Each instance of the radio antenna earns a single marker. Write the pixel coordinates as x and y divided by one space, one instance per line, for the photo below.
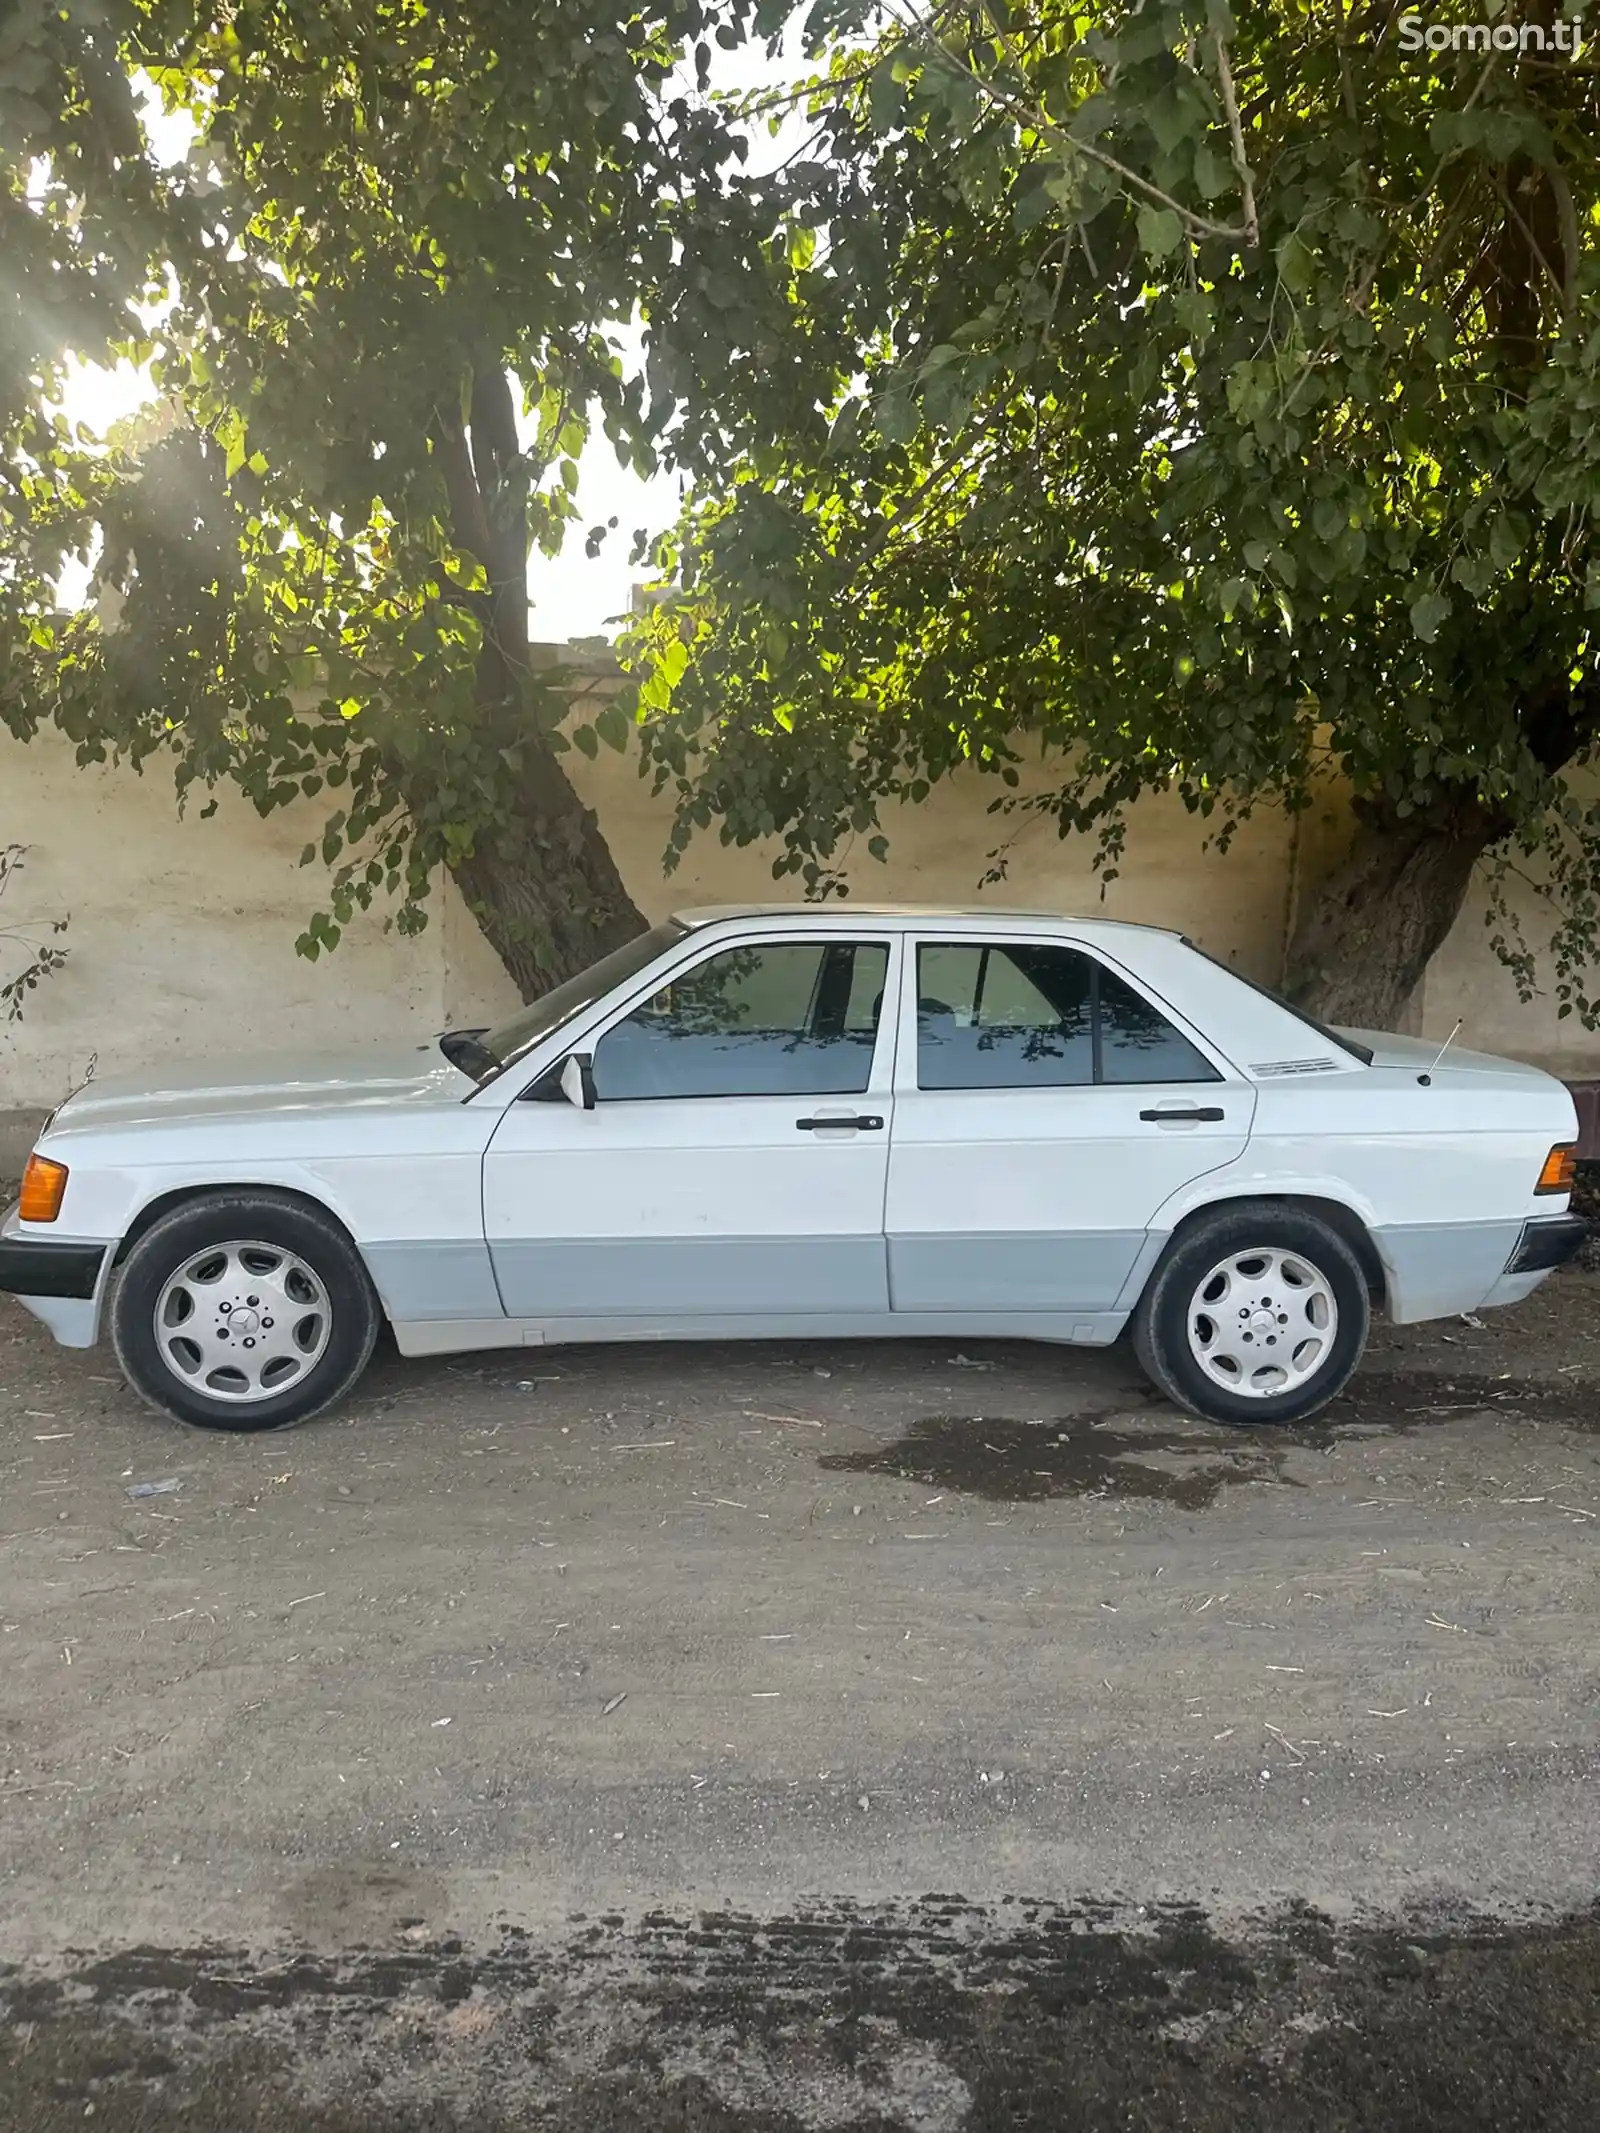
1426 1080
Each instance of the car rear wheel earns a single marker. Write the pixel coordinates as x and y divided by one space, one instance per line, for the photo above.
1256 1314
243 1311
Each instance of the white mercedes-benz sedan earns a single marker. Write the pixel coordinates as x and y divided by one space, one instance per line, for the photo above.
816 1120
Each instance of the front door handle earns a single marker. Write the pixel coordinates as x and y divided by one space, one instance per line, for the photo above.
1195 1115
872 1123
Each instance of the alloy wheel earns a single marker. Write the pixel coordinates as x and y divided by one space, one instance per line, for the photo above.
1263 1322
243 1321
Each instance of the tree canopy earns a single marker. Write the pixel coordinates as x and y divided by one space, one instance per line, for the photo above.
393 215
1204 398
1211 397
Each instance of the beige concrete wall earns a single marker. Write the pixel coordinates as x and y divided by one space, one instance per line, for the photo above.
181 941
182 933
1235 906
1467 981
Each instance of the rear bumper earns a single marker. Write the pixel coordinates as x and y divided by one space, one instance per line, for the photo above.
1548 1241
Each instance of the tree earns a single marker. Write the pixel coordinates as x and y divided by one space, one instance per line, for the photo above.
394 212
1210 398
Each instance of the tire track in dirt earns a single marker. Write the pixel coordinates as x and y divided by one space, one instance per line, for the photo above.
940 2016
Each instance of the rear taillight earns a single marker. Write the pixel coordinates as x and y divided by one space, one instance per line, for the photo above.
1560 1172
43 1184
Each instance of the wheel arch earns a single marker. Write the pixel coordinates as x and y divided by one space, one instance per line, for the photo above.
166 1203
1339 1215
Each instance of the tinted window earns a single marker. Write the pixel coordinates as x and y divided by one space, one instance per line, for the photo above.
1020 1016
1004 1018
774 1019
1138 1043
524 1030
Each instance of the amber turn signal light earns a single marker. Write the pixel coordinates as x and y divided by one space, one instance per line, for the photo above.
43 1184
1560 1172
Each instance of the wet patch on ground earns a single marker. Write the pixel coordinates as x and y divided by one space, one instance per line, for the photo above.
1398 1401
939 2016
1008 1461
1173 1459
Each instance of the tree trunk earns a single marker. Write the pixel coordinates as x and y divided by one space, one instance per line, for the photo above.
548 896
1362 946
547 893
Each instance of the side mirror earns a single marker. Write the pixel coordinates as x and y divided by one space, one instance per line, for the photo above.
577 1080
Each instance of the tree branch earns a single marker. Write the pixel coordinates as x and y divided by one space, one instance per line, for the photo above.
1241 162
1039 124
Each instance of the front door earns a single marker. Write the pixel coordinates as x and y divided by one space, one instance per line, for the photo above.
1046 1109
735 1162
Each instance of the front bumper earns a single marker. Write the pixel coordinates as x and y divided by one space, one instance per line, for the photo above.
39 1266
1548 1241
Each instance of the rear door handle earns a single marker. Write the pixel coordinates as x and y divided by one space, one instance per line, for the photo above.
1196 1114
871 1123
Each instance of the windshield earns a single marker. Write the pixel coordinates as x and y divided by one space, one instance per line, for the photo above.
523 1031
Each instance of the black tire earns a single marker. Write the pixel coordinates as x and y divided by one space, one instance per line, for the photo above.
269 1219
1161 1321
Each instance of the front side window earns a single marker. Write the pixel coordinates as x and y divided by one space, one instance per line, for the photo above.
513 1039
775 1018
1019 1016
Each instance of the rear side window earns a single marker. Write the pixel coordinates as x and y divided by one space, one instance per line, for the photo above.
1137 1042
1020 1016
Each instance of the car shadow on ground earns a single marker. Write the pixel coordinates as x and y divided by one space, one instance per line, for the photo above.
1049 1422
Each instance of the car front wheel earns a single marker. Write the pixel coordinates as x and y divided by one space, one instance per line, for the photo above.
243 1311
1256 1314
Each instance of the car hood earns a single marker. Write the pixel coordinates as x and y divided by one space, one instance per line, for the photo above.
266 1082
1419 1054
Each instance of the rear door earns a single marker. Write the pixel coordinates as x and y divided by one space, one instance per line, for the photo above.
1045 1108
735 1162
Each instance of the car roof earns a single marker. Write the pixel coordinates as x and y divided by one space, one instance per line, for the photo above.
899 915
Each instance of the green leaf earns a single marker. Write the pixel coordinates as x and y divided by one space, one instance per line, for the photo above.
1160 232
614 727
1328 518
1214 175
886 99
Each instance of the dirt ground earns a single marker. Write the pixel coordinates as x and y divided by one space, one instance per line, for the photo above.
851 1738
